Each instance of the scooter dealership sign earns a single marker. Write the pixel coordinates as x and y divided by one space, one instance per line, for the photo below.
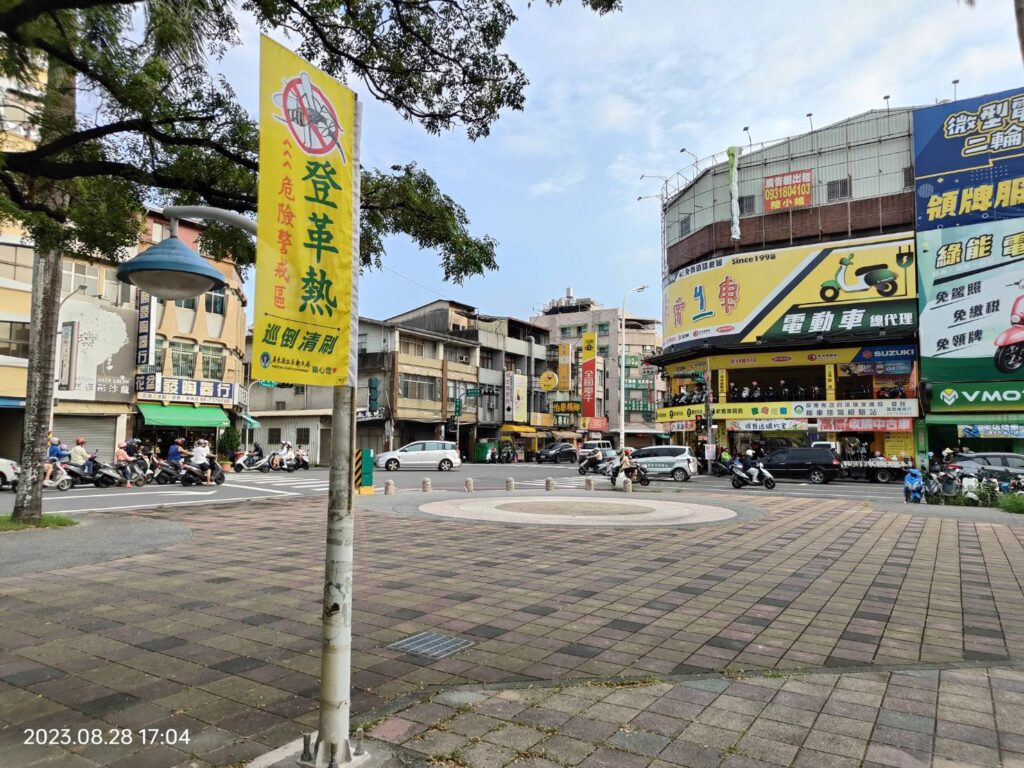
978 396
793 294
813 409
969 165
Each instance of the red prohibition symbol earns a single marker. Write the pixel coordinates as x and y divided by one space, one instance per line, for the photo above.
310 116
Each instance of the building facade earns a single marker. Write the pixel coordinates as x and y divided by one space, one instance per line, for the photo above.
170 373
568 319
790 293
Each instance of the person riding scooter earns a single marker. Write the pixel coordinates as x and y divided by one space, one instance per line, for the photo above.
56 453
282 455
200 458
177 453
592 461
81 456
750 465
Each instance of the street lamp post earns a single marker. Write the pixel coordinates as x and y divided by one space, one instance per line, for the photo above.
622 365
172 270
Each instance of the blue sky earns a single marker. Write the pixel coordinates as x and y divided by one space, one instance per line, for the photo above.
615 97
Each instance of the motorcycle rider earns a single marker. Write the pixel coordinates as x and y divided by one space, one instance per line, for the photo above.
80 455
281 454
627 467
56 452
121 462
200 458
593 459
177 453
750 465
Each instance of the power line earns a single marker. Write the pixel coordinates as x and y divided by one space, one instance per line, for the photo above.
414 282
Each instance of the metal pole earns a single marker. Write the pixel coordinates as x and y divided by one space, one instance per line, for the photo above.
336 651
622 373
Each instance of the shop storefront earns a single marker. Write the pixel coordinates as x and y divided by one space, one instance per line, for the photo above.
982 416
172 407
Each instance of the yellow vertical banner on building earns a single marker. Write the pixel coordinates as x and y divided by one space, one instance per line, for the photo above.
564 367
306 269
723 384
830 382
589 347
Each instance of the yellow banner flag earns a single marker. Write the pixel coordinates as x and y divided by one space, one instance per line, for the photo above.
306 268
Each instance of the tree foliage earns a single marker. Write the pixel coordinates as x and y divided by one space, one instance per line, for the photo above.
161 128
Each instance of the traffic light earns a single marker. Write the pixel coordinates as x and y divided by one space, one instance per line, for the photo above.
373 402
450 425
700 423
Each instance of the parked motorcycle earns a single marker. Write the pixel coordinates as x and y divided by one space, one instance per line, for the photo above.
252 462
1010 343
913 486
741 479
877 276
895 392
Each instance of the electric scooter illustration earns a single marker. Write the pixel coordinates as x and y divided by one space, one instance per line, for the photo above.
877 276
1010 343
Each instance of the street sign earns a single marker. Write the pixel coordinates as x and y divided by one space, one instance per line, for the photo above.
268 384
472 393
458 407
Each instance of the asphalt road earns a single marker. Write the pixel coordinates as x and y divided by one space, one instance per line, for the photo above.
253 485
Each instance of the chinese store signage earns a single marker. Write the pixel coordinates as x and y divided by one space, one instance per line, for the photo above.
866 425
785 191
589 374
978 396
564 367
969 160
305 270
567 406
145 337
1015 431
767 425
814 409
153 386
793 294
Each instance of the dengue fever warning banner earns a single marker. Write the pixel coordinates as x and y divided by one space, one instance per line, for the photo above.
306 279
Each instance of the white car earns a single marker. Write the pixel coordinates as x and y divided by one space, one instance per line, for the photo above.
439 454
9 471
672 460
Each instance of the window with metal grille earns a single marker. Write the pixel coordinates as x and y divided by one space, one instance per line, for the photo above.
279 405
213 361
747 205
274 436
300 389
839 189
302 435
908 177
684 226
183 359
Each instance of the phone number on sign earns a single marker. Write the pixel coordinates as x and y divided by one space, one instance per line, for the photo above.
47 737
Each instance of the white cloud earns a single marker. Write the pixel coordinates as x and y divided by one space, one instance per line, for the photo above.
559 182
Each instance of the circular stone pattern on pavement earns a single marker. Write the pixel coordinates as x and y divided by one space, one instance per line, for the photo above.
570 510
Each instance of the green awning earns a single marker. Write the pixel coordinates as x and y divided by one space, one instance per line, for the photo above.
249 421
160 415
974 418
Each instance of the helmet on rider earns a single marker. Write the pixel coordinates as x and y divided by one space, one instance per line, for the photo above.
64 447
750 453
180 441
54 441
122 445
79 441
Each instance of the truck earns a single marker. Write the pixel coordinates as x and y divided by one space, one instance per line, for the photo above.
879 470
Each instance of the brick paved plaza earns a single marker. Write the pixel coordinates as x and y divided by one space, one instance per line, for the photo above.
845 635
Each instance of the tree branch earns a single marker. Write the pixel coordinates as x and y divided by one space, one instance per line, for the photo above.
23 13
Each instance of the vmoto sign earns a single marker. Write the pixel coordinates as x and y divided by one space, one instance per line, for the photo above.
978 396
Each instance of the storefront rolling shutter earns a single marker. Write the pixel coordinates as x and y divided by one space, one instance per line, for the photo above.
98 431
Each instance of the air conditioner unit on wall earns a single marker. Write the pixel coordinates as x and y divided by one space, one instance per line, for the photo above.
464 359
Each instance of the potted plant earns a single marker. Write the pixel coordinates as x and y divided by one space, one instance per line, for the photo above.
226 447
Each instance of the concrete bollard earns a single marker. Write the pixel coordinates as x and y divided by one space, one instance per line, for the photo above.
426 485
389 487
469 485
627 485
589 484
510 484
549 483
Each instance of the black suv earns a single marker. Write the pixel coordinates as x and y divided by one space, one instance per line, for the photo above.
556 453
1002 465
819 465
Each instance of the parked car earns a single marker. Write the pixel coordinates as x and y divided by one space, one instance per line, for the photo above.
556 453
9 471
423 453
819 465
590 445
673 461
1004 466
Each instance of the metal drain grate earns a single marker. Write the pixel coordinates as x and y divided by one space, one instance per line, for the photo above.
432 645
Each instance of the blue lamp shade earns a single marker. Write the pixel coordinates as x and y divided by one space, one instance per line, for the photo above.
170 270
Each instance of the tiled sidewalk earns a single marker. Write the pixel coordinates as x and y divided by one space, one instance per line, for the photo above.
954 717
220 633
